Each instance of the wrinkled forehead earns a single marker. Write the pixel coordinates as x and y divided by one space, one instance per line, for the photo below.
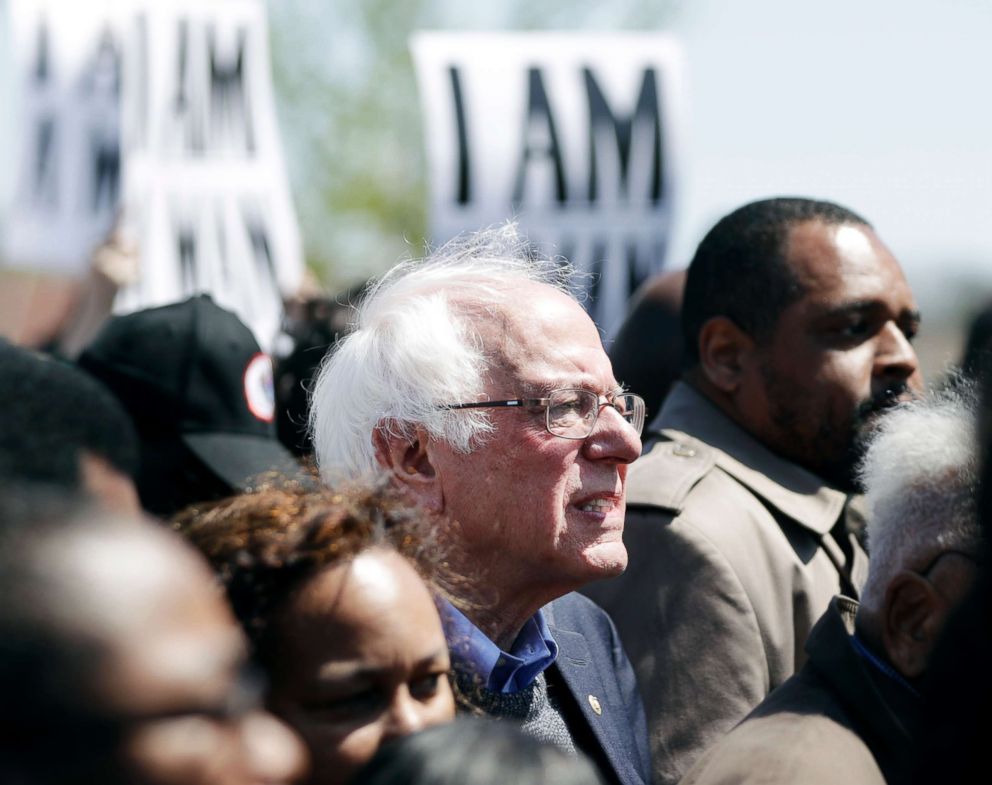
539 336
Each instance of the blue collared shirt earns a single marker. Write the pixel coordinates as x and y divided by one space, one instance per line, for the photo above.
500 671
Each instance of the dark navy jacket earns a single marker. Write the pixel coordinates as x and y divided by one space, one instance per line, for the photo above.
593 667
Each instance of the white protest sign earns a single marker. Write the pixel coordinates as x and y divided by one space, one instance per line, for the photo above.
575 136
62 82
204 183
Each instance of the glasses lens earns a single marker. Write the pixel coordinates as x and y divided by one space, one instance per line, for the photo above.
572 413
633 409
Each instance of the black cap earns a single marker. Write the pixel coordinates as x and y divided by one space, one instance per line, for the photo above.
193 372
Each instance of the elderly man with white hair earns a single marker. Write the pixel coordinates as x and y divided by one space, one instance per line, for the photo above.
848 716
479 383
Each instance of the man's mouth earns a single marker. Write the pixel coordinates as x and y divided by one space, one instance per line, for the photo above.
598 505
885 399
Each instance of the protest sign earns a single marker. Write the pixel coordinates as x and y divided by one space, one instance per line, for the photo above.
575 136
204 184
62 78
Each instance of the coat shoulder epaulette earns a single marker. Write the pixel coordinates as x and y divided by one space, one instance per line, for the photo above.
664 476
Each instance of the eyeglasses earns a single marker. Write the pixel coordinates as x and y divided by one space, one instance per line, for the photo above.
572 414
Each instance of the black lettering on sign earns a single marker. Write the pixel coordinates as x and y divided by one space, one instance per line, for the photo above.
540 140
642 128
464 189
230 115
41 184
186 246
186 106
42 63
102 87
106 175
45 182
258 233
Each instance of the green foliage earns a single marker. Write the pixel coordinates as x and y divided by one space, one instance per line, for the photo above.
350 119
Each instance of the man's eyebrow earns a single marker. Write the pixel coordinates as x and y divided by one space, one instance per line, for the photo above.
859 306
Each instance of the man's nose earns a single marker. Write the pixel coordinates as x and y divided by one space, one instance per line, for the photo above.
613 438
895 357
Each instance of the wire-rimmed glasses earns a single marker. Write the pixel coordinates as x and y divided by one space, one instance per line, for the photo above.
572 414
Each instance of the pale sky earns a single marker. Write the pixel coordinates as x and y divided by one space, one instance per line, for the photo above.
885 107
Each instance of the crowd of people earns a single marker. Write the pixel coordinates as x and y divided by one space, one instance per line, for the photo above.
748 549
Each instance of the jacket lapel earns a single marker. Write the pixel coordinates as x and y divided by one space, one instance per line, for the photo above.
596 697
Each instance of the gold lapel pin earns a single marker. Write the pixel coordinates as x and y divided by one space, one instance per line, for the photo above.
596 705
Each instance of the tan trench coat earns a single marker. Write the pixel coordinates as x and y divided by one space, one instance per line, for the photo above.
732 561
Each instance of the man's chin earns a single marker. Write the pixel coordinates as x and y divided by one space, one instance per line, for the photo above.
607 560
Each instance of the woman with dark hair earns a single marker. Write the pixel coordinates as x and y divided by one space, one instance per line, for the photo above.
475 751
330 587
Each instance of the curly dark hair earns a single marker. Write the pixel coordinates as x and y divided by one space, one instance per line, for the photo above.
265 543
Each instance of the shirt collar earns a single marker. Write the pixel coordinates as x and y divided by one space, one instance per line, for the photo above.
882 666
533 651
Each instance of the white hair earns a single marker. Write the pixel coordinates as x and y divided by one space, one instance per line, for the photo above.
414 347
920 475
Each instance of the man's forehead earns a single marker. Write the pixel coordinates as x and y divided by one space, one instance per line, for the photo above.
844 264
820 254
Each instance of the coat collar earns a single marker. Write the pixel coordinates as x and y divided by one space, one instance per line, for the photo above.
885 717
687 416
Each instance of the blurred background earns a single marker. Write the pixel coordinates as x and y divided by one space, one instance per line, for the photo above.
879 106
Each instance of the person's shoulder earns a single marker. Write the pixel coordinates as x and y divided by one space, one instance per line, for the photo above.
664 476
787 746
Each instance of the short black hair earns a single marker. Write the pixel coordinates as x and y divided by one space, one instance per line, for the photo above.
50 413
740 270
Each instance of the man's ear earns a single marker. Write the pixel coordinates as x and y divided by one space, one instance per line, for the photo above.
724 349
408 459
911 620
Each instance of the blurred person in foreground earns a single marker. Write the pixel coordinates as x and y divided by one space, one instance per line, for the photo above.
475 751
60 427
647 351
953 743
852 713
798 324
479 383
330 587
199 390
120 664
